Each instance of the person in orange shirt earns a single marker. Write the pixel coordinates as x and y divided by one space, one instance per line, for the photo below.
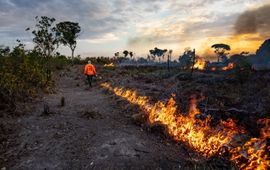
90 72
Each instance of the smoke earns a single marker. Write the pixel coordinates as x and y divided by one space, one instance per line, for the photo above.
254 21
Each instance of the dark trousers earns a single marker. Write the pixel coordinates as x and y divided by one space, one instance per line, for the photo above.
90 79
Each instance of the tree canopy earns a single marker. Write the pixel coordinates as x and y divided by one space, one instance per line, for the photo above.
68 32
45 36
220 50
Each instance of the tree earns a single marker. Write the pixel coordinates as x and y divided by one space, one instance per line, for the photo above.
125 53
220 50
157 53
45 36
68 32
187 60
169 56
117 54
131 54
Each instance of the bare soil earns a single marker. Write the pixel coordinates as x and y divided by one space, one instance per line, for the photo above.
91 131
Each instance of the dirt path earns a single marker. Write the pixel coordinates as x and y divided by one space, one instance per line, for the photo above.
89 132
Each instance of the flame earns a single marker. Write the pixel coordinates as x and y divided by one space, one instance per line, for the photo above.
230 66
197 133
213 69
200 64
254 152
108 65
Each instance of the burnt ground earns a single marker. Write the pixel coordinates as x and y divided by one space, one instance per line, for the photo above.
92 131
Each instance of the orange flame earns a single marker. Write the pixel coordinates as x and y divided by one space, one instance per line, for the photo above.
108 65
230 66
254 151
198 134
200 64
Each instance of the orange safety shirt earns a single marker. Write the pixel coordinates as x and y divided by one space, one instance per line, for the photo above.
90 70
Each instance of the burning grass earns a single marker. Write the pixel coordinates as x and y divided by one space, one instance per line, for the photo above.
198 134
109 65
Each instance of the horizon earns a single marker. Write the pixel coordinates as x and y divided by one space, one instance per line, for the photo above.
138 26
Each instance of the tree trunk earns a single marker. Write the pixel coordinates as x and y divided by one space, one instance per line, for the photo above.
72 56
168 63
48 70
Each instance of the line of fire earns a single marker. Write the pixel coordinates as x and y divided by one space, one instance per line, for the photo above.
198 134
226 138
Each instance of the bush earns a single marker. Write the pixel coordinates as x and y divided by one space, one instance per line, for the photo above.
23 74
243 70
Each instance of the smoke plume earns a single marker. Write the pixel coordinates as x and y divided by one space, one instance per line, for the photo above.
254 21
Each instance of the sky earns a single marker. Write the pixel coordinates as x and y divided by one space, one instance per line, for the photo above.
109 26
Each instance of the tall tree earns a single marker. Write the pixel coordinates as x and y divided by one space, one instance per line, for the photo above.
220 50
131 54
158 52
68 32
117 54
169 56
45 36
125 53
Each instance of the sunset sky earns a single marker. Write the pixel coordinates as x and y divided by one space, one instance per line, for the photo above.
109 26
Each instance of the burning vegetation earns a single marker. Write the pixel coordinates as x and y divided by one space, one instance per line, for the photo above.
108 65
199 134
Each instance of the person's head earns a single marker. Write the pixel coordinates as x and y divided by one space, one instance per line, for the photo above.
89 62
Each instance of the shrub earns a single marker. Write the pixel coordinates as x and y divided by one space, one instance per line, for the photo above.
23 74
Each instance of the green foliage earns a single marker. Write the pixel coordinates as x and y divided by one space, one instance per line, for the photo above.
45 36
58 62
68 33
23 74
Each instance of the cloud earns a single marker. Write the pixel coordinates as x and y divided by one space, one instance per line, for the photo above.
254 21
103 39
147 23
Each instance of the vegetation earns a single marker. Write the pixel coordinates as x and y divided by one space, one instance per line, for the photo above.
22 74
68 32
221 50
26 72
187 60
156 52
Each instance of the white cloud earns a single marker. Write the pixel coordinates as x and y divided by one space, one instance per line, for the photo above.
108 37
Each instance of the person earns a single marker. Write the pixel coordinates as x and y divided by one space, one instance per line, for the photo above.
90 72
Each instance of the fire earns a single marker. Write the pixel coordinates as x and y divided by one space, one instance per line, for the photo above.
254 151
230 66
108 65
200 64
213 69
197 133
